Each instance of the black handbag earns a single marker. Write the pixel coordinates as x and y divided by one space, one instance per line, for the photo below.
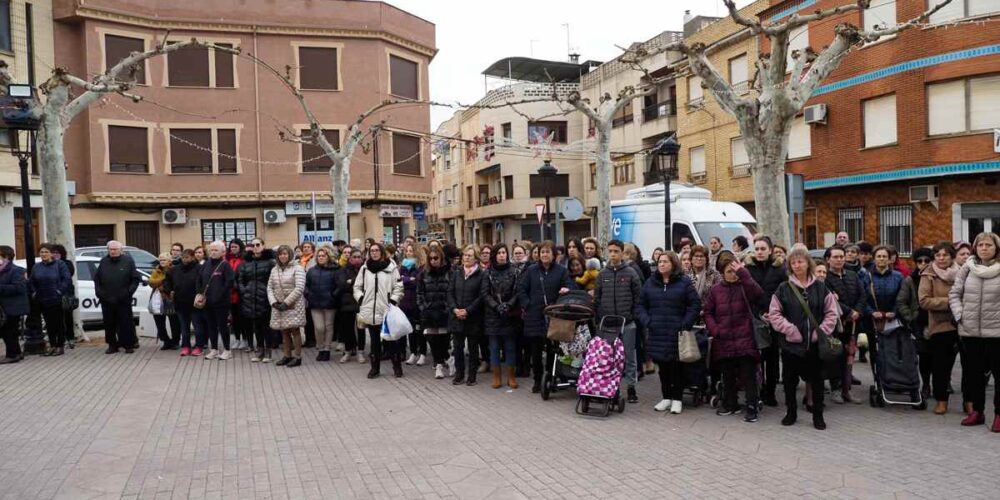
70 303
761 330
830 347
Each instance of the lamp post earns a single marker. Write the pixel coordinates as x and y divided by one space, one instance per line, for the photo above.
548 175
667 150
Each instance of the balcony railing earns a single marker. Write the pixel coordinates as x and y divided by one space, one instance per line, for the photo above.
659 110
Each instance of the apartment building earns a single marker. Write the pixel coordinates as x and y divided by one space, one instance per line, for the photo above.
900 147
26 46
200 159
488 193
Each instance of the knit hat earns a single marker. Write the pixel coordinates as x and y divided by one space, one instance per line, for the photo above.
865 247
923 252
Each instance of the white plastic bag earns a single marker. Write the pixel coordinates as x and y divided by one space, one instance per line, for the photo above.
395 325
155 305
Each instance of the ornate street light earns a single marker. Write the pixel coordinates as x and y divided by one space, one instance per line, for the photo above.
548 175
667 150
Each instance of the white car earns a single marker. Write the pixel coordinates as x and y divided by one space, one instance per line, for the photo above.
90 306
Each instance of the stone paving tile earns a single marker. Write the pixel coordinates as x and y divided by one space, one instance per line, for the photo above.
153 425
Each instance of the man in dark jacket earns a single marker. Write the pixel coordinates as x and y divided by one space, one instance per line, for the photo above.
115 282
14 302
183 280
617 294
853 302
769 272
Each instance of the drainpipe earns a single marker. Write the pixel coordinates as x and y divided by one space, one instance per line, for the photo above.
256 104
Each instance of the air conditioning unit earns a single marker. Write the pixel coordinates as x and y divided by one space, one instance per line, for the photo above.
173 216
274 216
927 193
815 114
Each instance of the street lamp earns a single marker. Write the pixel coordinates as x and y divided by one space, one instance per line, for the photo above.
667 150
547 173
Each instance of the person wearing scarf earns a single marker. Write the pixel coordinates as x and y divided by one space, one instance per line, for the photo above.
378 284
409 272
975 304
466 322
936 281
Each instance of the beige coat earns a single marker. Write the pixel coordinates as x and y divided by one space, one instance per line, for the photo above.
975 300
287 285
933 298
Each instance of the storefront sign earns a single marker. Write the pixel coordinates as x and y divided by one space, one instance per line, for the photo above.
395 211
323 207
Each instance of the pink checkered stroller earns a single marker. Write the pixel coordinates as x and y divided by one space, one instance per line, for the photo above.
601 375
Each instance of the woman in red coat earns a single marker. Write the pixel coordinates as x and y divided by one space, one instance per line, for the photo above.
728 318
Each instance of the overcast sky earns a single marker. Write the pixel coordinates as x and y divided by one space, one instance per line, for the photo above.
473 34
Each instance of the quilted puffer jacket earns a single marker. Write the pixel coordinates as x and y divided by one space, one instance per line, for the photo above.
251 282
287 285
975 298
728 317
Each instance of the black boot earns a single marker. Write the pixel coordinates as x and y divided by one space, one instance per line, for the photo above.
294 362
752 413
375 363
536 387
790 416
459 378
397 365
323 356
769 398
284 361
818 421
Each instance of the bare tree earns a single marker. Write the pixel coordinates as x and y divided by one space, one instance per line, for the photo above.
765 116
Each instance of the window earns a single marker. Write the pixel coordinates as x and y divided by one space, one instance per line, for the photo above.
959 9
468 196
404 77
506 133
6 137
896 227
128 149
537 131
852 221
740 158
557 187
739 73
593 176
117 48
881 14
226 149
880 121
697 158
314 159
453 196
696 93
405 154
799 140
624 115
5 25
225 67
318 68
624 171
191 151
508 187
189 67
227 229
959 106
798 39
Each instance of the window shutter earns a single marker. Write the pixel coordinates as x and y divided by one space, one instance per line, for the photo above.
882 14
405 154
880 121
979 7
946 108
985 105
739 70
403 76
318 68
314 159
739 152
798 39
695 92
224 70
128 149
186 158
117 48
226 140
697 160
188 67
799 140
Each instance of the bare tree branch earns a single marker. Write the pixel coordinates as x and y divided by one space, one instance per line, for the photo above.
740 19
873 35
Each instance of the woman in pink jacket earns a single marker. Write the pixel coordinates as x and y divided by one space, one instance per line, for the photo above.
797 327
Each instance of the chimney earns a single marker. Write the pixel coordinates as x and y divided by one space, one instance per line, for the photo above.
687 16
574 58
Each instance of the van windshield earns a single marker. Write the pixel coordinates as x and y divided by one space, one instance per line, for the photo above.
726 231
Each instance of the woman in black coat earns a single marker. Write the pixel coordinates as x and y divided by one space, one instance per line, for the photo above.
500 293
59 253
668 304
346 321
539 286
320 285
251 283
183 278
50 281
432 301
14 302
466 320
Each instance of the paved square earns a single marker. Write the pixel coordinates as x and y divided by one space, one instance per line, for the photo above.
153 425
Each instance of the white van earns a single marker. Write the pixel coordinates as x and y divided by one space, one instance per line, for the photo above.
639 218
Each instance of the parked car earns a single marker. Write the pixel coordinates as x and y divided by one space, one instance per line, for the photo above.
144 261
90 307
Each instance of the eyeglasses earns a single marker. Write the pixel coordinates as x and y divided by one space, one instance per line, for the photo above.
923 261
257 245
435 259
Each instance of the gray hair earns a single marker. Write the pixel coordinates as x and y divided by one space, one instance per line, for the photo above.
219 244
115 242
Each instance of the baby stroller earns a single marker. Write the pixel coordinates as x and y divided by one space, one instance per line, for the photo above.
600 378
696 374
895 369
572 314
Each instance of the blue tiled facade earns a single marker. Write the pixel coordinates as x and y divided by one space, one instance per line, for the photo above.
904 174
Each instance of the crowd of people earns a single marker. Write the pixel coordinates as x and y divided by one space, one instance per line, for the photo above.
480 310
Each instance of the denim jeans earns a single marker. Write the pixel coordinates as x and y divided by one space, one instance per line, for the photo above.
631 365
509 345
459 343
200 328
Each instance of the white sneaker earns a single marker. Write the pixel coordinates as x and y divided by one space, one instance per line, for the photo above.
675 407
265 359
361 358
238 344
212 354
255 359
412 359
663 405
345 358
226 355
422 360
339 346
451 366
438 371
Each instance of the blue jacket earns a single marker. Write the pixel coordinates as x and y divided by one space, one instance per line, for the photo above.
538 287
885 287
14 291
49 282
320 286
665 310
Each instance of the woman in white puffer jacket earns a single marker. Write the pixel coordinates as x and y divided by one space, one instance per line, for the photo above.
975 304
378 284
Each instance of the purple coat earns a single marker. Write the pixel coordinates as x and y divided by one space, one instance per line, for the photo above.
728 317
408 304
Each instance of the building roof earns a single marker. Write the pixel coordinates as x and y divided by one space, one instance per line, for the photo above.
537 70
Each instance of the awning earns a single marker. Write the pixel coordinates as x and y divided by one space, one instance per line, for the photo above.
537 70
492 169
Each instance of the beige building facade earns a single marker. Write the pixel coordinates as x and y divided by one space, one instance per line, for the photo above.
200 158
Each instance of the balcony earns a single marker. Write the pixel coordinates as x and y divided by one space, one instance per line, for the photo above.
659 110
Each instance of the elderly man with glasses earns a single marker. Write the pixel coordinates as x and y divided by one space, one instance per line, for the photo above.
115 282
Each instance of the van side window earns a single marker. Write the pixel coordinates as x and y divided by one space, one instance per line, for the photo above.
681 231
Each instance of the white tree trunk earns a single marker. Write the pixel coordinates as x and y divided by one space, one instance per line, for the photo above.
603 182
340 180
767 152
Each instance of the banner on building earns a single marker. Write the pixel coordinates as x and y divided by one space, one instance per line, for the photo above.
323 207
394 211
